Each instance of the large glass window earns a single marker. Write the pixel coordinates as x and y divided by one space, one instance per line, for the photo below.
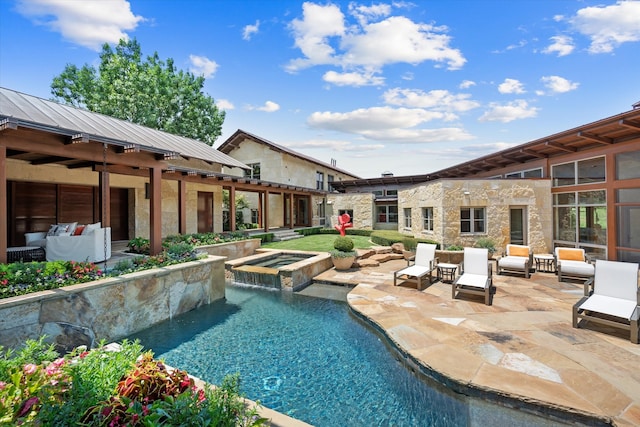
427 219
580 172
330 179
387 213
472 220
530 173
628 165
407 217
254 172
580 219
628 217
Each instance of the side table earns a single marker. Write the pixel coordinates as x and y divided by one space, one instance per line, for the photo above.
545 263
446 272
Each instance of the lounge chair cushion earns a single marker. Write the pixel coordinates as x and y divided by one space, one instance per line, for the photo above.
568 254
516 262
609 305
519 251
474 280
580 268
414 270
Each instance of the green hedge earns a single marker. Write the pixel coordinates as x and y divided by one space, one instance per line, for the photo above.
264 237
389 237
352 231
309 231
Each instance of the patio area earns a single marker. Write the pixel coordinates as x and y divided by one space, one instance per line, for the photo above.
523 347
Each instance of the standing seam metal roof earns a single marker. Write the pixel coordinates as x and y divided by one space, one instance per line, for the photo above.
71 120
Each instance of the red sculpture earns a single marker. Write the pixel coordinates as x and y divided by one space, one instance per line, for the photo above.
343 223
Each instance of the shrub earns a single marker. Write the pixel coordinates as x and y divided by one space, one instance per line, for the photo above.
343 244
455 248
112 388
485 242
410 244
139 245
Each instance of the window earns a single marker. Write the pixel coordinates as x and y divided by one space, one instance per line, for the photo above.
530 173
580 219
628 215
427 219
387 213
254 173
628 165
378 193
407 217
392 192
581 172
254 216
321 212
319 181
472 220
329 183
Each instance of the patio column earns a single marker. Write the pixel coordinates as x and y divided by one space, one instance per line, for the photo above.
290 210
266 211
155 210
260 215
232 208
182 207
3 204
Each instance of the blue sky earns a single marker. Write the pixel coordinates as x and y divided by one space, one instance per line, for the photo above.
403 87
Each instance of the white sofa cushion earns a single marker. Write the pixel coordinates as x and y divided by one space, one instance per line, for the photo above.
65 227
89 247
516 262
577 267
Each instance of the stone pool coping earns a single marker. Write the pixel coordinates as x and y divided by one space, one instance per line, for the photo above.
521 351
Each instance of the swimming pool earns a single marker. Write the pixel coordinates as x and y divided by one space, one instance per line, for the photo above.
308 358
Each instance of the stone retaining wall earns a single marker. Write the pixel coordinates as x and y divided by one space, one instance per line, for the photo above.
233 250
111 308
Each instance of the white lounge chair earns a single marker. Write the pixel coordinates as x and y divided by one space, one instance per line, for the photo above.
573 263
517 259
615 300
476 275
424 264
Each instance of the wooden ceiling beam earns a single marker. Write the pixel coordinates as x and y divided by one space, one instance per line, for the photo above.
49 159
533 153
629 124
561 147
596 138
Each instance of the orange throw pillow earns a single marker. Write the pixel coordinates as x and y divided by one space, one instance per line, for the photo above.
519 251
78 230
570 254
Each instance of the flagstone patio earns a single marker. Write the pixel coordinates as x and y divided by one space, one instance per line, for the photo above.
522 349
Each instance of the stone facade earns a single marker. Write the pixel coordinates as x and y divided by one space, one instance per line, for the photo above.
112 308
446 197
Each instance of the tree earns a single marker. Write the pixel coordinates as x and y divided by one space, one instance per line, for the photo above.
150 92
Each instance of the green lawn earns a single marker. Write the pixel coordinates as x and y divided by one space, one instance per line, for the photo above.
317 243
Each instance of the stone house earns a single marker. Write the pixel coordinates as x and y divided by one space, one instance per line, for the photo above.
576 188
274 163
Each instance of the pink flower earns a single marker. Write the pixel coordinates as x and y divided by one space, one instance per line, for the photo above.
2 385
30 368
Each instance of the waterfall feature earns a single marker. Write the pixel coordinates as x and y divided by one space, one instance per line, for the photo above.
257 275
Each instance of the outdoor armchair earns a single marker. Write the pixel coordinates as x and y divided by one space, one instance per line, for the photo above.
615 300
424 263
476 275
573 263
517 259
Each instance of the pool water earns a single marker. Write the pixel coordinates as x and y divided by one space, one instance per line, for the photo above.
303 356
279 261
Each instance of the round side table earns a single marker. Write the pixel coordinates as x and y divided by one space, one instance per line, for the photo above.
446 272
545 263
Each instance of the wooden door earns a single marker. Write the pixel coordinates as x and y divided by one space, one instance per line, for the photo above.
205 212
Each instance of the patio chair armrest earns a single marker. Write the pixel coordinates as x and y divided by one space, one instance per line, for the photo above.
588 284
490 269
433 263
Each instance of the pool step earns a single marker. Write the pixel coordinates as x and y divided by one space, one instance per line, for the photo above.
285 234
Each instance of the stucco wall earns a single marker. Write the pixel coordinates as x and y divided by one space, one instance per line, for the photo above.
111 308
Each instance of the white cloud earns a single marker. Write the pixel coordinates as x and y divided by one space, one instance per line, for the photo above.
334 145
202 66
87 23
352 79
511 86
518 109
557 84
388 124
225 104
324 37
268 107
562 45
466 84
436 100
364 14
250 30
609 26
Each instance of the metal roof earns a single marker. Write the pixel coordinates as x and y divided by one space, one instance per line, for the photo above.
611 130
236 139
37 113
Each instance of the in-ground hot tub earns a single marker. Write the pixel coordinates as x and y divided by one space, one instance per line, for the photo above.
278 269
